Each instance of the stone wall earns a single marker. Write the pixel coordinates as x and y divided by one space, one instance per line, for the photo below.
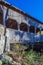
2 39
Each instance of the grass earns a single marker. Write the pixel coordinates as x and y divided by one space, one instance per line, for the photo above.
33 58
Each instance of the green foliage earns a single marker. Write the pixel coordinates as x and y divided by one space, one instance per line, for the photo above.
33 58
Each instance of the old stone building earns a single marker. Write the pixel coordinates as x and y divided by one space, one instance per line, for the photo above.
18 27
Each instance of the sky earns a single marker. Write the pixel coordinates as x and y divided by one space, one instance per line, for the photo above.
31 7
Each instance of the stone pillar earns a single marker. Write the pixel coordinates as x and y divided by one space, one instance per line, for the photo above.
40 31
35 34
7 45
28 25
2 39
18 26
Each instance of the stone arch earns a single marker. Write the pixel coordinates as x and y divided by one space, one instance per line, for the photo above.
32 29
10 23
37 30
24 27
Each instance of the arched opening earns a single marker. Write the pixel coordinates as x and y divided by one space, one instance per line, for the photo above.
38 30
23 27
32 29
41 31
1 16
10 23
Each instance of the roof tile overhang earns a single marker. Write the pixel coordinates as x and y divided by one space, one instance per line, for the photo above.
19 11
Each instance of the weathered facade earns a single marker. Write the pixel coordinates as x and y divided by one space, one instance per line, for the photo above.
18 27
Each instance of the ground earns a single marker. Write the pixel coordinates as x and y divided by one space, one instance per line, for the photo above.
19 56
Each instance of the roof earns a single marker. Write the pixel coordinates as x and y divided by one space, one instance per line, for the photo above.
19 11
